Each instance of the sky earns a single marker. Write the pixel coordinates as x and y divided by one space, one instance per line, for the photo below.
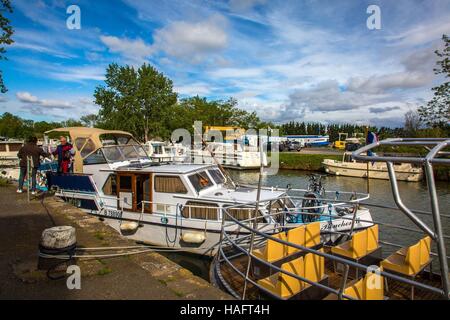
287 60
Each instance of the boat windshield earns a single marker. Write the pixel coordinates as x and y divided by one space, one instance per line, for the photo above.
123 153
217 176
200 181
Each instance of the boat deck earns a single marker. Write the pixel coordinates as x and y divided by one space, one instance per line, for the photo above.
397 290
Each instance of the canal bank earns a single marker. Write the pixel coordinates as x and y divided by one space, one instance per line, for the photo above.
143 276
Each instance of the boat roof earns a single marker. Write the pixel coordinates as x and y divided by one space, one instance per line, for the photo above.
84 131
168 168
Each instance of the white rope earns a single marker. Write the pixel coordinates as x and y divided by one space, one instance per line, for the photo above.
112 255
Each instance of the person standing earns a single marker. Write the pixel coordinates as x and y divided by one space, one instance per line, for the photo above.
29 151
64 153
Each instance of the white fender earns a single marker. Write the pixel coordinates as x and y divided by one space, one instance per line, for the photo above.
129 226
193 237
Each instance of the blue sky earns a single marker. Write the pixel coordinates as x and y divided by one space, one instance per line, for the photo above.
287 60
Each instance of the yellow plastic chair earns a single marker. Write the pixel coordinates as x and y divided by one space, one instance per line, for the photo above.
425 250
372 238
314 267
355 248
312 234
405 262
296 236
272 251
371 287
283 285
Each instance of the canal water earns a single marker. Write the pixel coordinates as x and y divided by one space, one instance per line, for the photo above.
414 195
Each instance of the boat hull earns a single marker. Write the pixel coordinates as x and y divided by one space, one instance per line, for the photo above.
403 172
170 234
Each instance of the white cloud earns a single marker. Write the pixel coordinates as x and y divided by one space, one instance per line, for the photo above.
193 89
192 41
29 99
237 73
387 82
134 50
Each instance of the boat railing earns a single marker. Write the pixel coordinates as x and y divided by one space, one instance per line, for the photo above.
436 233
245 248
436 154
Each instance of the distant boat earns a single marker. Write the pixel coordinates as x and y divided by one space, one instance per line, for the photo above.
230 155
378 170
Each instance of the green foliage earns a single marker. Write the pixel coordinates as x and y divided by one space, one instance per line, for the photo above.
89 120
137 101
437 111
12 126
5 37
301 161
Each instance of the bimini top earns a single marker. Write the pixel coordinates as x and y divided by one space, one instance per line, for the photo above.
87 141
86 132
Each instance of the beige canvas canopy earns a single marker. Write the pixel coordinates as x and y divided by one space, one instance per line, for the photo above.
85 141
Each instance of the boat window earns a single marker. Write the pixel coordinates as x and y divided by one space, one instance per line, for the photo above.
14 147
110 187
157 149
95 158
200 181
169 184
200 210
243 214
2 147
113 154
125 183
88 148
110 139
79 143
129 152
217 176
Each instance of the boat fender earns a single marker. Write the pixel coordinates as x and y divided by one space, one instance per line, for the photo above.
129 226
193 237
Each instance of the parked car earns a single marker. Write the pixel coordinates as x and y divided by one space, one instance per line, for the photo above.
294 146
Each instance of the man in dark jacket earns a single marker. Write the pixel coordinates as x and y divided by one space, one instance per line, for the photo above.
29 151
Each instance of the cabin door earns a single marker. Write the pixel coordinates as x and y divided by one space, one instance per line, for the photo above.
126 191
144 195
135 191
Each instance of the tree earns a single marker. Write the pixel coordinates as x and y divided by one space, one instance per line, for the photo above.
136 100
89 120
412 123
5 37
437 111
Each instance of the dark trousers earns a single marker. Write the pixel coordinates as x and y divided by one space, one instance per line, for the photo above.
23 173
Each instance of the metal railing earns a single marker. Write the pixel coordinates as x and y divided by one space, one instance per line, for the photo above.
237 242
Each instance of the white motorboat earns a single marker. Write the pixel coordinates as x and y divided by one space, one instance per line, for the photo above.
179 205
377 170
230 155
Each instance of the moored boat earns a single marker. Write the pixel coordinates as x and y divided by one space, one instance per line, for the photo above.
179 206
352 168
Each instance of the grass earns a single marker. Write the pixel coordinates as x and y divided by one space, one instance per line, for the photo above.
4 182
104 271
99 235
309 162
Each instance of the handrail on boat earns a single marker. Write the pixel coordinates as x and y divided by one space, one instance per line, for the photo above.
437 234
432 157
344 261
